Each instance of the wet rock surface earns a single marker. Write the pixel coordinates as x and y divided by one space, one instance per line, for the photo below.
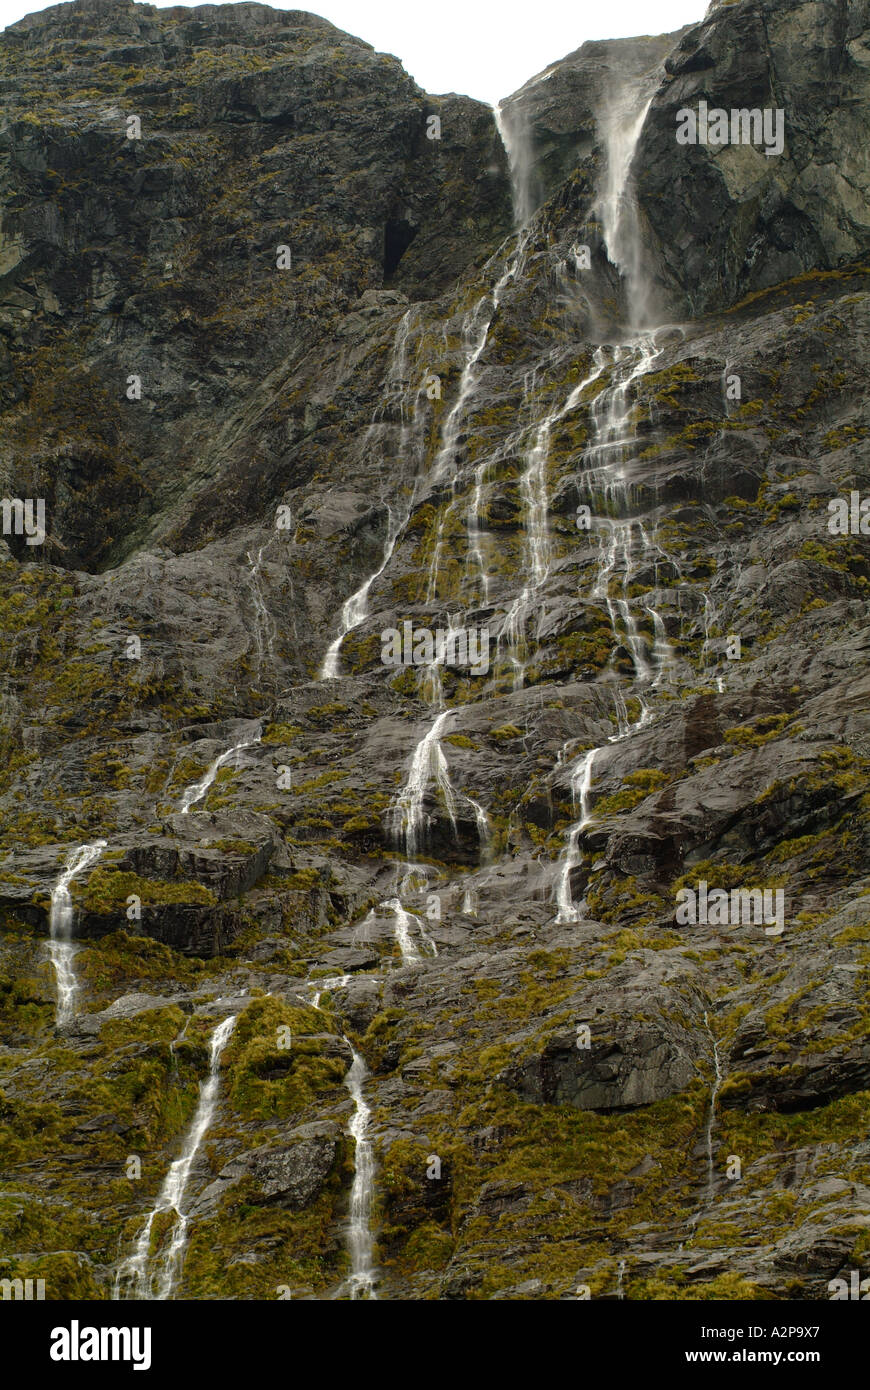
560 1069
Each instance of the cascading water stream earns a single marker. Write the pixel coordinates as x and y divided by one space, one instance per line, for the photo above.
514 129
711 1116
428 763
620 123
264 628
475 335
405 942
581 783
325 985
360 1242
61 920
355 610
361 1281
148 1275
604 460
516 138
197 790
537 540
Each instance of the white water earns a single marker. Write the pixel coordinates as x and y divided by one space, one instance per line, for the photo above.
620 124
355 610
475 335
264 628
404 940
513 126
537 542
581 783
428 764
711 1117
146 1276
477 538
198 790
360 1244
61 920
415 881
482 820
325 985
361 1281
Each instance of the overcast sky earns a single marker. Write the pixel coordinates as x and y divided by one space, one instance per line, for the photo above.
484 48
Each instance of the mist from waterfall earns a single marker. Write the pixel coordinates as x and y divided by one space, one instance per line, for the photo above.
620 122
514 127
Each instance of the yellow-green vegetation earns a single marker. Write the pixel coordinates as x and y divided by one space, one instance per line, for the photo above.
760 731
118 961
637 786
301 1251
623 899
269 1077
137 1096
107 890
505 733
281 733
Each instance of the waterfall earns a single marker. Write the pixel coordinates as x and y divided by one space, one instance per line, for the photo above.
416 880
264 628
198 790
428 763
512 123
613 444
480 816
711 1117
405 942
620 123
361 1281
475 534
537 539
323 987
581 783
61 920
154 1276
355 610
475 335
516 137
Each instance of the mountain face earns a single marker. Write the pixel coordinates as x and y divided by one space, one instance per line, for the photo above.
434 795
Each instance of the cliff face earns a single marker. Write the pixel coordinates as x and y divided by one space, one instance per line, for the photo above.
605 446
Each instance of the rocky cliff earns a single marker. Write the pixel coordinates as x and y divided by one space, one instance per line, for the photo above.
305 364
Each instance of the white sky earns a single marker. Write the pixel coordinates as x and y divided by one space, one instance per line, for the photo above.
483 48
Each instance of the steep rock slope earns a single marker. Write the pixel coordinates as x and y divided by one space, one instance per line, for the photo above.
440 903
